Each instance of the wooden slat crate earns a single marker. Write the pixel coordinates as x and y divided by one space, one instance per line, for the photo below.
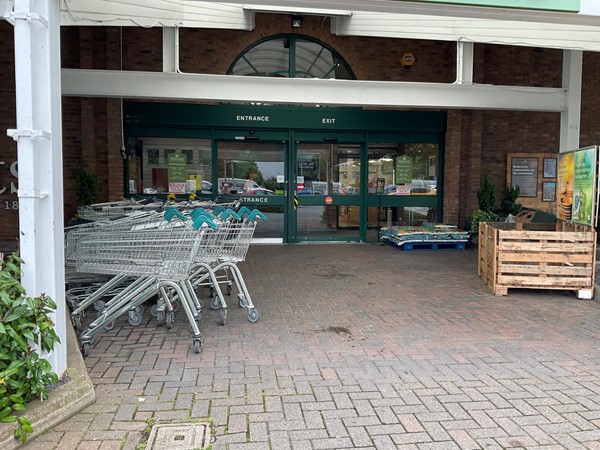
516 255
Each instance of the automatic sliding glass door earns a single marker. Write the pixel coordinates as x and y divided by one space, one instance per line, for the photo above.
328 187
253 173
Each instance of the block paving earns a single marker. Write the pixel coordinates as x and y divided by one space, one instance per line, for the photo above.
359 346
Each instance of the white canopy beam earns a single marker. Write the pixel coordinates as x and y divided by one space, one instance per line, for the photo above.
39 146
170 86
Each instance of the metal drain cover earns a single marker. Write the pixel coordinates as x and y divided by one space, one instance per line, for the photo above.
179 436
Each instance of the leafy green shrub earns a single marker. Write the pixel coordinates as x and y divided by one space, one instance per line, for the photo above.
481 216
486 195
87 192
509 204
24 326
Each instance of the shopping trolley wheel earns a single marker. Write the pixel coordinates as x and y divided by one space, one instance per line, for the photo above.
110 325
197 345
139 309
99 305
253 315
223 315
160 317
215 302
154 310
170 319
242 301
85 349
76 322
134 318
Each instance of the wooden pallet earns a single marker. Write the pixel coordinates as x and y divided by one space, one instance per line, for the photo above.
532 259
431 245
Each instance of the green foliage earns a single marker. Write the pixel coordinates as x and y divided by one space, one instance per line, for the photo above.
486 195
87 192
24 326
481 216
509 204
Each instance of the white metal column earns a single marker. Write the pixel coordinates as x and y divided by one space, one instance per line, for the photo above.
570 119
39 142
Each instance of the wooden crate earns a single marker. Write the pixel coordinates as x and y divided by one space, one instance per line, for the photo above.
517 255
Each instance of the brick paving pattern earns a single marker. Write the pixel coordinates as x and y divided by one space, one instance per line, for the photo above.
358 346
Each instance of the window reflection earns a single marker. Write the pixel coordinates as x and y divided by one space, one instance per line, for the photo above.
403 169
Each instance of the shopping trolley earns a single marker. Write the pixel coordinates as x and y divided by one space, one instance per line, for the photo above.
100 287
223 258
158 257
109 210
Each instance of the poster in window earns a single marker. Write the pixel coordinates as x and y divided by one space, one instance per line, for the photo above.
550 167
525 175
549 191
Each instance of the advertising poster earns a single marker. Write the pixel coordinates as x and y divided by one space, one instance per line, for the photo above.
404 166
583 185
564 188
177 172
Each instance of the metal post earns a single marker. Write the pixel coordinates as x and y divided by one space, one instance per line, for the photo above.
570 120
39 143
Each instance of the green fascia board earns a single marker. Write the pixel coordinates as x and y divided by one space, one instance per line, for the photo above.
172 115
544 5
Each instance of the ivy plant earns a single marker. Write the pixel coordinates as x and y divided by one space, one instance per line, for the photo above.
25 329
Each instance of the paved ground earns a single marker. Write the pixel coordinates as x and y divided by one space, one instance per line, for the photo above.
358 346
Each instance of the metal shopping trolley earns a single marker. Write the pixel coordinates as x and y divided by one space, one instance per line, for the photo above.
157 257
223 258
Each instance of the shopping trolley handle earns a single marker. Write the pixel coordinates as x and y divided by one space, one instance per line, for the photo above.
201 220
218 210
230 212
244 210
257 214
173 212
200 211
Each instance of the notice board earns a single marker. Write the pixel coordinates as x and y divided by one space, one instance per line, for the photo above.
535 174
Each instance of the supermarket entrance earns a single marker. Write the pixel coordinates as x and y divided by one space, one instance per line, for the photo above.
318 174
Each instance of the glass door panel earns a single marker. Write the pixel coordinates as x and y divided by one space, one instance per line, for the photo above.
328 186
253 173
402 185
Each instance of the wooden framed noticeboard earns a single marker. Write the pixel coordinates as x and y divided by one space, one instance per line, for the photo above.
535 174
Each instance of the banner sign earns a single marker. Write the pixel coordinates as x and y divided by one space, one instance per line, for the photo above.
544 5
564 188
576 185
584 185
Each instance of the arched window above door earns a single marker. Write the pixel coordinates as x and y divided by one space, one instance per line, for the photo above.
291 56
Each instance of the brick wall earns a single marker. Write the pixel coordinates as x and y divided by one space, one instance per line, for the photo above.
477 142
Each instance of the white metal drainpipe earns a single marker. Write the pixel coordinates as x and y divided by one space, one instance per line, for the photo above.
39 143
